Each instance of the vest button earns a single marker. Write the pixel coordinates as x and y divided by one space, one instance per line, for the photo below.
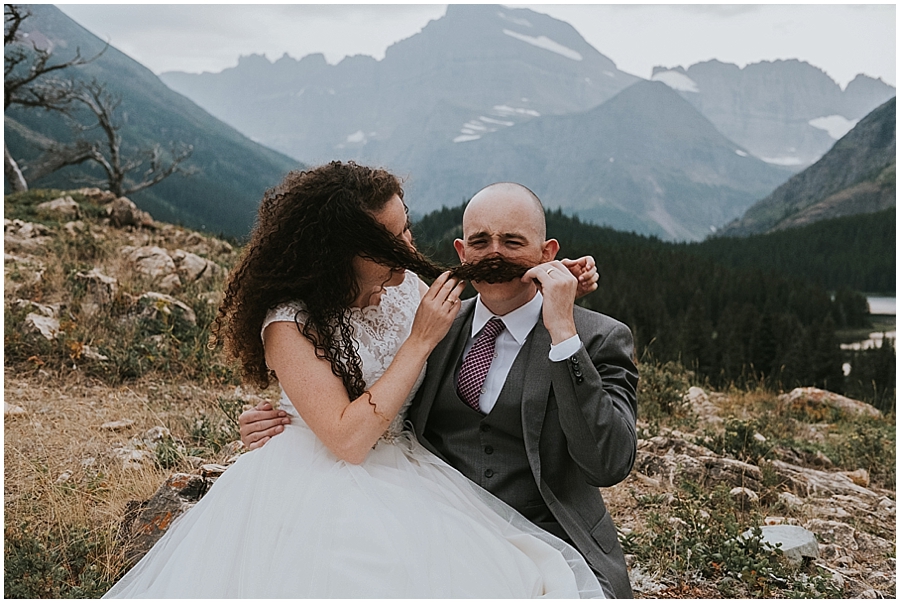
489 450
485 428
489 473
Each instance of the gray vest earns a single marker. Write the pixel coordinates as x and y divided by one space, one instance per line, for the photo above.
489 449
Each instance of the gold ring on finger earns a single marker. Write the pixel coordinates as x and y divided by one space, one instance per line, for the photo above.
551 270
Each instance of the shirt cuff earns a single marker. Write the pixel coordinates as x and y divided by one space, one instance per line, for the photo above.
565 349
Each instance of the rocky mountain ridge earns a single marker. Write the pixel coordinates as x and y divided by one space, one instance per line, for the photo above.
478 69
645 160
787 113
858 175
478 83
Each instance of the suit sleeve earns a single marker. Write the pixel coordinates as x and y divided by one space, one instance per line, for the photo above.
596 392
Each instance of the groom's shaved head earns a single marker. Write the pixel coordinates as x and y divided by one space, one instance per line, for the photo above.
510 196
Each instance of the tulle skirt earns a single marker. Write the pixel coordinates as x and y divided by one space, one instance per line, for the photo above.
292 520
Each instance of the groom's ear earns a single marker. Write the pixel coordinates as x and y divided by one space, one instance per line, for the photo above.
549 250
460 248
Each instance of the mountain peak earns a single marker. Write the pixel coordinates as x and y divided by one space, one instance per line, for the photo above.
253 61
469 32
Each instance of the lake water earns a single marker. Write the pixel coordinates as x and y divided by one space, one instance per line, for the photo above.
877 305
883 305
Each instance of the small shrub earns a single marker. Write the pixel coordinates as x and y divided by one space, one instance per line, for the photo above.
865 444
740 440
700 533
168 453
661 390
213 431
35 568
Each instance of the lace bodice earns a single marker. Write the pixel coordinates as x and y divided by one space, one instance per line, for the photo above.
379 330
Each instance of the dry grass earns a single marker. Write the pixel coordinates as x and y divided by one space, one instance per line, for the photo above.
62 474
65 486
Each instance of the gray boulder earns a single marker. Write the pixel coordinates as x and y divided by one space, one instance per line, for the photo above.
796 542
64 207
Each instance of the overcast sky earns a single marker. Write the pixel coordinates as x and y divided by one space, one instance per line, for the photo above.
843 40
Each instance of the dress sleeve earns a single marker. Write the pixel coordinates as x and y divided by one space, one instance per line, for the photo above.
290 312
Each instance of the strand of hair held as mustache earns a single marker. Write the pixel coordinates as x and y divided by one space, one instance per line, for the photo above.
490 270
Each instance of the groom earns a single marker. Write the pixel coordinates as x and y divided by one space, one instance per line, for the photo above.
554 416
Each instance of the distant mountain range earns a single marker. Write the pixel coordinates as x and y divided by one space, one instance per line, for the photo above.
233 171
644 161
857 176
483 94
476 70
489 93
784 112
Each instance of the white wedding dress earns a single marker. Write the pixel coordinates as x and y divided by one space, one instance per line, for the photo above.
291 520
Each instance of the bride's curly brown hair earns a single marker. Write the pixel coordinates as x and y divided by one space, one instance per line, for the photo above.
308 230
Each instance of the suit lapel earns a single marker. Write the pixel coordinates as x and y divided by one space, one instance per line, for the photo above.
535 394
441 360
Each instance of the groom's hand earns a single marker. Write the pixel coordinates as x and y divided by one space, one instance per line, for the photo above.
260 423
558 286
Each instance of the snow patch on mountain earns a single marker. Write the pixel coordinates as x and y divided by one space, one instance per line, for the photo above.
785 161
507 111
473 127
476 128
676 81
547 44
836 125
740 153
516 20
498 122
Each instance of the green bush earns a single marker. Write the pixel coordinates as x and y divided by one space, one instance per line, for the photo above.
740 441
210 432
866 444
65 568
699 532
661 390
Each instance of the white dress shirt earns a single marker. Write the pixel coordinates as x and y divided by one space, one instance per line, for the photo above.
519 324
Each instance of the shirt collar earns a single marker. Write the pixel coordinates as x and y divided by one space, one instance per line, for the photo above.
519 322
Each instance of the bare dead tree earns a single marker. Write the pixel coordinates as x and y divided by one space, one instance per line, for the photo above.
28 81
109 155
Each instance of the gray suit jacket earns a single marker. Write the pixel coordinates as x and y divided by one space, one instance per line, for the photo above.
578 419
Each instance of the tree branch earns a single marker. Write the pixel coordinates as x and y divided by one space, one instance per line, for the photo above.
58 156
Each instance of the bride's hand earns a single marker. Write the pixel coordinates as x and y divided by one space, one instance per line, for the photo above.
585 270
437 309
260 423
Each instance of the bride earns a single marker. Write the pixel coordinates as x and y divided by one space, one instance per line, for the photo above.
345 503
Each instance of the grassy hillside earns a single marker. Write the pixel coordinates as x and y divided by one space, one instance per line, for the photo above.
127 393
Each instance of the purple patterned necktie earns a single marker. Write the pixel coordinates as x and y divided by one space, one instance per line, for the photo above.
477 362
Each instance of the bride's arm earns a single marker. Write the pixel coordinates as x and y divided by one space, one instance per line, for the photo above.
350 428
